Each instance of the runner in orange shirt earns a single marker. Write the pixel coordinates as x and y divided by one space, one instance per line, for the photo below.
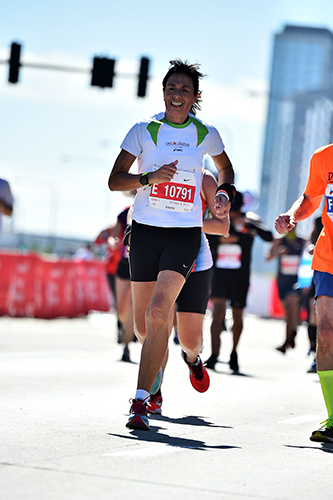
319 184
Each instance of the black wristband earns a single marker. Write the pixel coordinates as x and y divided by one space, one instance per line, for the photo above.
144 179
228 188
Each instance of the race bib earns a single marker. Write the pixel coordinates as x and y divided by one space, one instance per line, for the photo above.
289 264
229 257
176 195
329 200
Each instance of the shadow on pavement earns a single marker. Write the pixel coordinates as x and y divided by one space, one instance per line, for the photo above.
155 436
326 447
187 420
237 374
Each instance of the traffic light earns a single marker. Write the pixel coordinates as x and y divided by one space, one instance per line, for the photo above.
143 76
102 72
14 63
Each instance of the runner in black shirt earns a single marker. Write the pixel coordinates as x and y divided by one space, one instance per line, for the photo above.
232 275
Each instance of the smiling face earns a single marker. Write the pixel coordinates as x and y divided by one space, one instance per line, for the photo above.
179 97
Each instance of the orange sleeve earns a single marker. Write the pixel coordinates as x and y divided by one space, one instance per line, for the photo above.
316 182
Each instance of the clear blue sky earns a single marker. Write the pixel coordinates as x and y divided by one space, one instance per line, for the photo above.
60 136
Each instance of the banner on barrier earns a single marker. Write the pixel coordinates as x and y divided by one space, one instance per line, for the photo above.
31 286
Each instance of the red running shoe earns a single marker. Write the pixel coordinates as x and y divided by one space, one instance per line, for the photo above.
199 376
154 404
138 415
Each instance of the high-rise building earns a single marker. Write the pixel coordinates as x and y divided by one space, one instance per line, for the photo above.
299 118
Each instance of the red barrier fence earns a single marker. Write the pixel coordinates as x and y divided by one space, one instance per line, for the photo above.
31 286
275 307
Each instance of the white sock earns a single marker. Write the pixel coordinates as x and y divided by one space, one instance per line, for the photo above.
141 394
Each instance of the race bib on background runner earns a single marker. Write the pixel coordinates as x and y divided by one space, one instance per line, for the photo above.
289 264
176 195
329 200
229 257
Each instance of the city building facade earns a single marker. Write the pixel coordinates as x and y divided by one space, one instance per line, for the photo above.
299 118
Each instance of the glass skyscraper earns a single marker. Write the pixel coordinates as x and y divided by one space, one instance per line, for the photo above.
299 118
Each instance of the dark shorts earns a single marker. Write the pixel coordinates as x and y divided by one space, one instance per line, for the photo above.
194 295
154 249
111 282
123 270
287 285
323 283
311 291
230 284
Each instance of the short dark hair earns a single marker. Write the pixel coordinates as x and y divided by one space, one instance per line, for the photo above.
192 70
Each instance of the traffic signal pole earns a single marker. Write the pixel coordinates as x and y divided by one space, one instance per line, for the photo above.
102 72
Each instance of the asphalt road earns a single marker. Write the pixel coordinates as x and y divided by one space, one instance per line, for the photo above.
64 406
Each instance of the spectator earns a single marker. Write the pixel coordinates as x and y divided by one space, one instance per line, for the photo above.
6 200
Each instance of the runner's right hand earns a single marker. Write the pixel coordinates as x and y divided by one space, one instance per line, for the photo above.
163 174
284 223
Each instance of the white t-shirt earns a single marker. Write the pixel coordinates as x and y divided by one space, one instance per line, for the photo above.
156 142
204 259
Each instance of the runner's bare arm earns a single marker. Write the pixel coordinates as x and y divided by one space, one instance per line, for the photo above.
276 249
225 174
121 180
224 167
303 207
213 225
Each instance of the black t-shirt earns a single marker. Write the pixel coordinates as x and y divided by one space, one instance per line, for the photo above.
250 226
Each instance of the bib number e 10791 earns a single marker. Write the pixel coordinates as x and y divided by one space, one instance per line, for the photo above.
176 195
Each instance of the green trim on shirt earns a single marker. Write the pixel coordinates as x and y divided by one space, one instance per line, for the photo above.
202 131
177 125
154 127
